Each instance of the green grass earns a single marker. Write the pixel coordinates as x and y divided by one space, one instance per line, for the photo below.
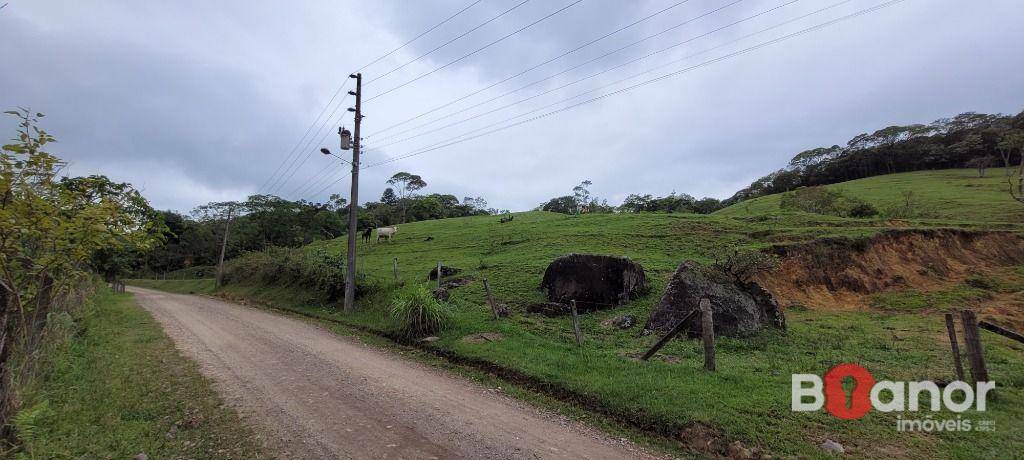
748 398
120 387
186 286
913 300
951 194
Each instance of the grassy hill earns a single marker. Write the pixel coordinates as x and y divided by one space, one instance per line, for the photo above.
747 399
950 194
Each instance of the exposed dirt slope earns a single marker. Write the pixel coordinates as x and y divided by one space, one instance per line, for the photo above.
319 395
840 274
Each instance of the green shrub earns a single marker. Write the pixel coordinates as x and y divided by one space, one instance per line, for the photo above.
862 210
312 269
742 265
416 313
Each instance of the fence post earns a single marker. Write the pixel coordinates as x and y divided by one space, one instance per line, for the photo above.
576 324
672 333
957 364
490 298
396 268
439 274
707 327
972 338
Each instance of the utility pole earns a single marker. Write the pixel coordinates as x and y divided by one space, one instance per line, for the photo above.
353 204
223 248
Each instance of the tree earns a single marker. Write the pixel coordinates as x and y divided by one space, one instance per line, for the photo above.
980 163
636 203
563 204
407 185
582 194
52 231
388 197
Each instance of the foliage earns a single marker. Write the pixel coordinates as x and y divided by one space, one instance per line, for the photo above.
312 269
118 387
742 265
416 313
262 221
942 144
827 201
955 195
752 373
54 229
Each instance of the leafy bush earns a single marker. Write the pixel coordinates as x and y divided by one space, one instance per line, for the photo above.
742 265
862 210
822 200
311 269
416 313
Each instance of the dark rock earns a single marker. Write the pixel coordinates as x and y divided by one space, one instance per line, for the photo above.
441 295
620 322
456 282
740 309
593 281
502 309
445 272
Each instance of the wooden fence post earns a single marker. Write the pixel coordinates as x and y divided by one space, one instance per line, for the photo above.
439 274
396 268
490 298
1001 331
972 338
707 326
672 333
576 324
951 329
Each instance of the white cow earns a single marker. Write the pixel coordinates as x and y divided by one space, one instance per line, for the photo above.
386 232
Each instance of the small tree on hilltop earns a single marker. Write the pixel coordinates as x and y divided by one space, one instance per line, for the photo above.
407 185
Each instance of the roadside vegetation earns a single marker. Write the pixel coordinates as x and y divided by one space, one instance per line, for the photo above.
833 199
119 388
746 400
58 234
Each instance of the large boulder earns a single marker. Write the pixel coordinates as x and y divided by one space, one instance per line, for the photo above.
740 309
593 281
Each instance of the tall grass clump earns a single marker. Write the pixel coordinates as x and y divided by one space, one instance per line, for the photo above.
416 313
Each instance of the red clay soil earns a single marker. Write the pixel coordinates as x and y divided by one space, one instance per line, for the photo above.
840 273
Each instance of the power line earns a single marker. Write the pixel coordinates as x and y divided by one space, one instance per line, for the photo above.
298 164
549 77
632 61
503 38
344 85
287 157
417 58
455 140
431 29
584 45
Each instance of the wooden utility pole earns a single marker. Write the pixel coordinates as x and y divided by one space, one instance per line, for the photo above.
353 205
223 249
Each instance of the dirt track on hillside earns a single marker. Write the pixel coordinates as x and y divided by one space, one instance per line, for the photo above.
318 395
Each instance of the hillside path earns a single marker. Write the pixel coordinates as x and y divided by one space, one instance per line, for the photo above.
315 394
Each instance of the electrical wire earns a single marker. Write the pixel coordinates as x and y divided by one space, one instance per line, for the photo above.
580 47
456 140
492 43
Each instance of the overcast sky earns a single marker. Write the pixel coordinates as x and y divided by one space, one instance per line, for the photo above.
197 101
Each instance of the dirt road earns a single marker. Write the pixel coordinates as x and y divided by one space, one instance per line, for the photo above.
319 395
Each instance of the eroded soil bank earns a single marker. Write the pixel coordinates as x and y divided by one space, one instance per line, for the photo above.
843 273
